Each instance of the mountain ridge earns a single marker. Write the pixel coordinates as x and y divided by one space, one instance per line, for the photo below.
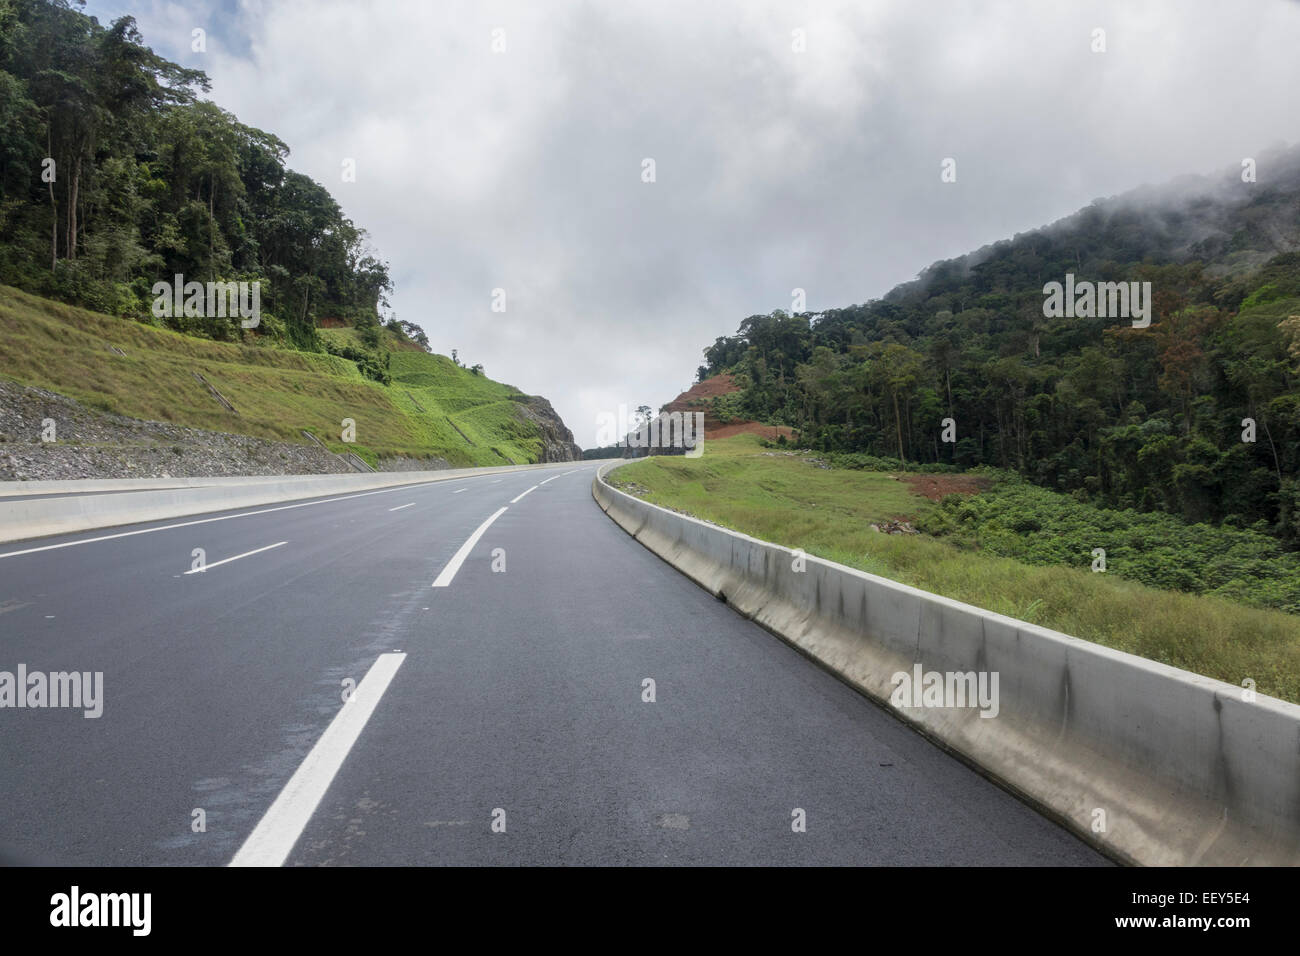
962 367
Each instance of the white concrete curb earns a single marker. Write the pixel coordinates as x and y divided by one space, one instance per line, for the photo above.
1152 764
130 501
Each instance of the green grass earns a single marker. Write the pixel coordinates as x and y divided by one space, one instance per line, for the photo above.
1020 520
277 392
780 498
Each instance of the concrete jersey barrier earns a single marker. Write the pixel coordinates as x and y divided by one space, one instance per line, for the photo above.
121 503
1151 764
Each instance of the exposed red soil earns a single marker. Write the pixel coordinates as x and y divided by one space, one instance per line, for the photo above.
332 324
722 384
747 428
935 487
695 398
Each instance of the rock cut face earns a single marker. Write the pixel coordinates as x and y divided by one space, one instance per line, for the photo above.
557 439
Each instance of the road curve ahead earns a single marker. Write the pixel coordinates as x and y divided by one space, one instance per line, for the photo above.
503 716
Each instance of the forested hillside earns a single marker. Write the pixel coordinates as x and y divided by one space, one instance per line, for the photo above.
114 175
1147 418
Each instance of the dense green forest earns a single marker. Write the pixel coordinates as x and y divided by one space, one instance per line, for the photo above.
115 174
1143 418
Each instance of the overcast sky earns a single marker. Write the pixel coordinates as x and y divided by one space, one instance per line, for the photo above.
775 168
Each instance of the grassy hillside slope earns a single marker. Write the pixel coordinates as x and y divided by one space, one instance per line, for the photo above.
432 408
828 512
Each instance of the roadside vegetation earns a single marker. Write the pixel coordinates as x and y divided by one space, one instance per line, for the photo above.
432 406
1016 550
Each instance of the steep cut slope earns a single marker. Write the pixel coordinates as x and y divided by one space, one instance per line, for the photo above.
433 411
720 417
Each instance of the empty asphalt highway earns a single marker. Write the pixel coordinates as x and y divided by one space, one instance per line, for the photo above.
495 638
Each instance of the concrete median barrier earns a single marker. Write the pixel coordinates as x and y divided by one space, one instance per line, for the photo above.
1151 764
90 505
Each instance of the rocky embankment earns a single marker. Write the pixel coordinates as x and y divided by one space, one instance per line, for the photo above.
557 440
93 444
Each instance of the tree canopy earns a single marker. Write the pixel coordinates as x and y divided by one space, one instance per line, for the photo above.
1149 418
115 174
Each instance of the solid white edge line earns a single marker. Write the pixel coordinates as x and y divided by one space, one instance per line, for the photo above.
517 497
457 559
400 507
242 514
217 564
550 479
187 524
274 837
